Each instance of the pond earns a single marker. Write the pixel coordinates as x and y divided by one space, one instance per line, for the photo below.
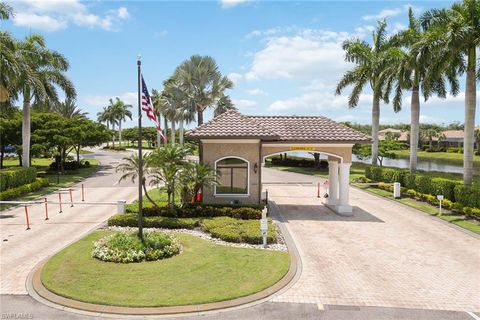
425 165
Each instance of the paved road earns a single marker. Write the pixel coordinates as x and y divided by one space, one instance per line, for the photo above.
385 255
21 249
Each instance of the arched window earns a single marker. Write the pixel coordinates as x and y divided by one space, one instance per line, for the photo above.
233 176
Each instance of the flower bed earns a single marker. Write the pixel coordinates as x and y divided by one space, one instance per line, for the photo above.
126 247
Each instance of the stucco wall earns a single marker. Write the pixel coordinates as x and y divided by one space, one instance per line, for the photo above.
248 151
342 151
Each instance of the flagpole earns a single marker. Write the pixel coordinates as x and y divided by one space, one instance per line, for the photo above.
140 164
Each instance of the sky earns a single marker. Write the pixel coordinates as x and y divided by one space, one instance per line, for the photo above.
285 57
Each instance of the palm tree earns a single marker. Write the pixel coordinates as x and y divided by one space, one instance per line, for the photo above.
69 109
157 102
42 72
193 177
224 104
456 36
172 99
203 83
411 72
8 63
370 62
105 116
120 113
430 134
477 139
185 115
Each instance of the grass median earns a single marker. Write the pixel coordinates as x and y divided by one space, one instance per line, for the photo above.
204 272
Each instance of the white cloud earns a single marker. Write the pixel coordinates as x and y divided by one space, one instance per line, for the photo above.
53 15
160 34
391 12
100 101
41 22
256 92
235 77
244 103
301 56
232 3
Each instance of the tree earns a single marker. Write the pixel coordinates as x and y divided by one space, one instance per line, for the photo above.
455 35
41 72
157 102
202 82
431 133
8 61
224 104
69 109
10 134
87 134
385 150
193 177
370 62
120 113
411 71
171 100
477 139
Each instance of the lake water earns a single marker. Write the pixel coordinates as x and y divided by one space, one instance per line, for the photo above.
425 165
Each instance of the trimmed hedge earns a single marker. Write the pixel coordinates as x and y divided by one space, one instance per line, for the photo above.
196 211
467 195
17 177
26 188
130 220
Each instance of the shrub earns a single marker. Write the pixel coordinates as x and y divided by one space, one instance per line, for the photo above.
26 188
457 207
382 185
130 220
476 213
234 230
431 199
443 186
411 193
195 211
126 247
423 184
13 178
467 195
447 204
408 180
467 211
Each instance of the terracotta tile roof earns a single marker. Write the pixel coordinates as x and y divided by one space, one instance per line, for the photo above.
232 124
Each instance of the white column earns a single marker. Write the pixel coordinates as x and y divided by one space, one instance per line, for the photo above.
333 182
344 180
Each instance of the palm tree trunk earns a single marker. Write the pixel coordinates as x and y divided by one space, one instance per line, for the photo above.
173 135
414 128
165 122
120 132
108 129
26 131
2 153
180 137
148 197
113 135
200 116
470 105
375 126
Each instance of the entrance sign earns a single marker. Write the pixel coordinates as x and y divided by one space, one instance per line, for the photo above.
302 148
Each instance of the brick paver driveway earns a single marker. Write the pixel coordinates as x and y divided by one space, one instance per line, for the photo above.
385 255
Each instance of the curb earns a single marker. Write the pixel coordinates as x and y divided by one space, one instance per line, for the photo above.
37 290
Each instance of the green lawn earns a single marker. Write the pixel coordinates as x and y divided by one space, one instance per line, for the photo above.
159 195
204 272
460 221
66 180
438 156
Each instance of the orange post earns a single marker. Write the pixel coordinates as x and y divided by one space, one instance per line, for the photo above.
26 215
83 194
71 197
60 202
46 209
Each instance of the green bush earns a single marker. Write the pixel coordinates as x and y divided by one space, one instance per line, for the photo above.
198 211
26 188
457 207
411 193
443 186
447 204
423 184
17 177
408 180
476 213
126 247
130 220
431 199
234 230
467 211
467 195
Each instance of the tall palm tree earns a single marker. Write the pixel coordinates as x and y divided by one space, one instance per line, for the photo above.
202 81
69 109
42 72
120 113
223 105
105 116
185 115
8 63
370 62
411 72
172 100
456 37
157 102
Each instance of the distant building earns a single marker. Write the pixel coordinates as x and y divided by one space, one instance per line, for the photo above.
451 139
397 134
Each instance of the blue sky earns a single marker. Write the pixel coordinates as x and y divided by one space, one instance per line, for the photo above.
284 57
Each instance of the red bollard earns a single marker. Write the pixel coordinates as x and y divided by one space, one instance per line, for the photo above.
60 202
46 209
26 215
318 190
71 198
83 194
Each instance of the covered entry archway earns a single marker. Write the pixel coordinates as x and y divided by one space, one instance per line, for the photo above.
252 138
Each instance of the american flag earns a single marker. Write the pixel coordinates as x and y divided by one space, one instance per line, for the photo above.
147 106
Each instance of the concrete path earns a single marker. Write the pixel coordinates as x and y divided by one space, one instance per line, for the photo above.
21 249
386 255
